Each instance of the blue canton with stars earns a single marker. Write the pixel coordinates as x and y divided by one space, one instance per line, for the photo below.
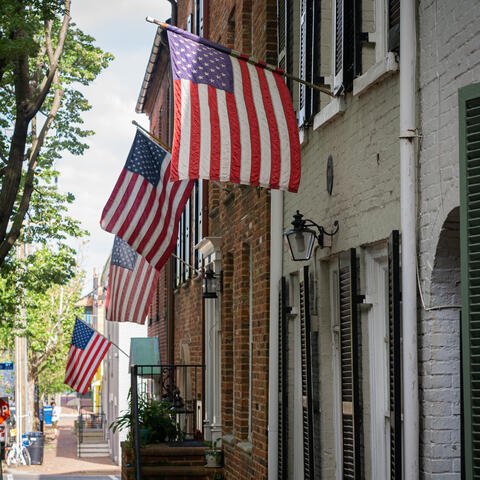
123 255
145 158
194 60
82 334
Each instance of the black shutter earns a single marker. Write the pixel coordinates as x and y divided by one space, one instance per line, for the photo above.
283 382
188 243
394 25
350 363
302 89
199 18
395 349
338 48
285 37
307 398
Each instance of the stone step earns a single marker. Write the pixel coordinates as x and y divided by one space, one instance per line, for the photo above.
183 472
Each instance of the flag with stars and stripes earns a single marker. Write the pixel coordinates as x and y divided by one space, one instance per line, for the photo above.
234 121
131 283
145 208
86 352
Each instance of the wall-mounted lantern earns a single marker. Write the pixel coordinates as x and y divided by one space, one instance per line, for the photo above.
301 238
210 284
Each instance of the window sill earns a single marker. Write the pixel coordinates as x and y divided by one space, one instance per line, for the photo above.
335 108
373 75
245 447
229 439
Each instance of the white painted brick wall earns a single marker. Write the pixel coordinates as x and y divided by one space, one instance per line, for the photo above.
449 58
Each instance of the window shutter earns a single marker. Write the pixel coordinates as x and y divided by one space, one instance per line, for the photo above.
469 157
199 18
283 383
188 243
338 47
308 452
302 89
350 367
395 349
394 25
282 33
190 23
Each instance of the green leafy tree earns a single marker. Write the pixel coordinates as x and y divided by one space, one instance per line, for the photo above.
44 59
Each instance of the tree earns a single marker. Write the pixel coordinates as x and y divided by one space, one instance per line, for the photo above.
43 58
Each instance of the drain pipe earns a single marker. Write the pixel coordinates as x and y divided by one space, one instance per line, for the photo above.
276 250
408 134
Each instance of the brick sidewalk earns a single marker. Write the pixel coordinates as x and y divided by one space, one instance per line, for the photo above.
60 456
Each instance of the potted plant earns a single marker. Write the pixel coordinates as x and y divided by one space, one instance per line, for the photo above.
214 454
155 419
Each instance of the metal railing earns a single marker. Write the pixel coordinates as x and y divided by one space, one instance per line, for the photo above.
180 386
90 421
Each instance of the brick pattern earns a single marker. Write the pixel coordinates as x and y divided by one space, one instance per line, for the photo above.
449 42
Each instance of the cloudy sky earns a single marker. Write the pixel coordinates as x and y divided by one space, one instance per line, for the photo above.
120 28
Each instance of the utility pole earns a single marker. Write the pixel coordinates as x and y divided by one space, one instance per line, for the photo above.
21 368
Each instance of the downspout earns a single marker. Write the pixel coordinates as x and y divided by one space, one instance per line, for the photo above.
408 133
276 264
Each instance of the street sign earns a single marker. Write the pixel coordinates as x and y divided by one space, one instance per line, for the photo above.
6 366
4 410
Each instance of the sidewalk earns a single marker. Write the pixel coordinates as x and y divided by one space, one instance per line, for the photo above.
60 456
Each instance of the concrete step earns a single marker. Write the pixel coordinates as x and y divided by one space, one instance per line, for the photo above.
94 450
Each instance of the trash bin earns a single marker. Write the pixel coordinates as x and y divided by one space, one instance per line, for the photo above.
35 447
47 411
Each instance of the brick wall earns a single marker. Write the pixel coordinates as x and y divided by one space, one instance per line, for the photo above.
449 46
242 219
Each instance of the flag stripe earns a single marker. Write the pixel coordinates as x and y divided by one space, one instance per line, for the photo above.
246 157
134 206
236 147
263 126
295 171
253 122
87 357
225 139
215 136
205 129
94 364
112 210
185 144
273 129
195 134
177 129
282 130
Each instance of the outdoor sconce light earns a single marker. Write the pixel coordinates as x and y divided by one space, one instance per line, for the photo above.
301 237
209 284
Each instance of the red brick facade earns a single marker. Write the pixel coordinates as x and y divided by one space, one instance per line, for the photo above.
241 216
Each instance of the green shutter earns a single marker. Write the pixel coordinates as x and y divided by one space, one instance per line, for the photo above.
469 158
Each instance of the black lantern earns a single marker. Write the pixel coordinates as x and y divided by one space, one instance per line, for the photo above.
301 238
209 284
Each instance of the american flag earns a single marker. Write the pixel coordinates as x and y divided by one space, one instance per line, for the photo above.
86 352
131 283
234 121
145 208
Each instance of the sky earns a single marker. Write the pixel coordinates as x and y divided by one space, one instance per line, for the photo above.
120 28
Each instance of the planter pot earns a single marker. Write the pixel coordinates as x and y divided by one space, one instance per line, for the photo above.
214 458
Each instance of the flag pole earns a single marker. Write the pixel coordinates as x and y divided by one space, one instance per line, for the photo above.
163 145
114 344
253 61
